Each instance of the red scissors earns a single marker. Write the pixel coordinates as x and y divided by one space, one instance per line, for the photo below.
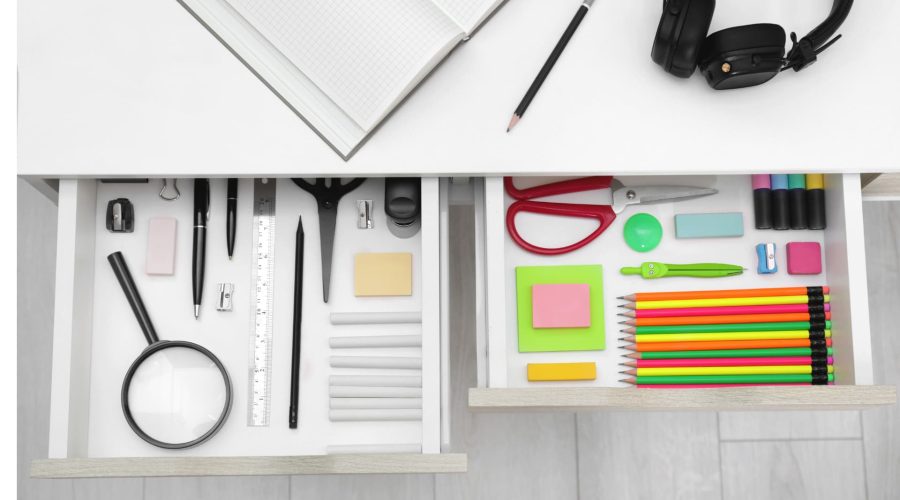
605 214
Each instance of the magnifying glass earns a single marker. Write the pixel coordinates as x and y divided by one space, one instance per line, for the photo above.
176 394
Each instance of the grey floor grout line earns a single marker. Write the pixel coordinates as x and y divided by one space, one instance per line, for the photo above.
719 450
789 440
862 431
577 461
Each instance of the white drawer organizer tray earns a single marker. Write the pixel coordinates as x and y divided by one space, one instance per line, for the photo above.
96 336
502 369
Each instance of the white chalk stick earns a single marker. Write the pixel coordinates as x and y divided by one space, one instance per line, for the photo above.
375 318
376 380
354 449
369 415
377 341
376 362
374 403
374 392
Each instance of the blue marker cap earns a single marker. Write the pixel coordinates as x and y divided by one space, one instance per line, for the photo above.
779 181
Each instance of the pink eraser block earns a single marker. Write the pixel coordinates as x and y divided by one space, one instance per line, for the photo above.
161 245
804 257
561 306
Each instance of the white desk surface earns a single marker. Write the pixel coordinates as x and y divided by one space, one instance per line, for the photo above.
111 88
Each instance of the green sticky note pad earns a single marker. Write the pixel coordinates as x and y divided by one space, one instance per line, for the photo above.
591 338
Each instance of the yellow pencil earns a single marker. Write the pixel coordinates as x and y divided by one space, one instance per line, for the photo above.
692 337
734 301
724 370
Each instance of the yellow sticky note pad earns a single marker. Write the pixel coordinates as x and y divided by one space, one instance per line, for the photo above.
383 274
542 372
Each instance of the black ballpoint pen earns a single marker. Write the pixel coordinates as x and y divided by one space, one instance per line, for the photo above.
201 216
298 316
231 215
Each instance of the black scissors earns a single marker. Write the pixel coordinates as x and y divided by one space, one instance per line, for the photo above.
327 195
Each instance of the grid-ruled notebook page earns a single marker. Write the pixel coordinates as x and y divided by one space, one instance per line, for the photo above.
363 55
468 13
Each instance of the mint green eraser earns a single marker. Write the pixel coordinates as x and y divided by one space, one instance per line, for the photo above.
718 225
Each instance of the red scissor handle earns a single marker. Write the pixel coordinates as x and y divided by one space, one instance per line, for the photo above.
562 187
603 213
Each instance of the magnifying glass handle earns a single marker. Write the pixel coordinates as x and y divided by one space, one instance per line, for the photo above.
120 268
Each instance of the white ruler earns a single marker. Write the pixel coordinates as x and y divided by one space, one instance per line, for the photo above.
259 402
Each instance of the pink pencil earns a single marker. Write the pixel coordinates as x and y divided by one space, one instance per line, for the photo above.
674 363
706 386
716 311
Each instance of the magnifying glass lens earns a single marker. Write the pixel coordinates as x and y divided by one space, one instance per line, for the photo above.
177 394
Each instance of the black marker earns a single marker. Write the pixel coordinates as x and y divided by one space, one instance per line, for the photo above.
797 186
780 218
762 200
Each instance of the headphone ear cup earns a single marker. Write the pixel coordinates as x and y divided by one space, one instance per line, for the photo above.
743 56
680 35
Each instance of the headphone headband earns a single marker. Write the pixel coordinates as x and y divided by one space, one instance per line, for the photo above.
804 52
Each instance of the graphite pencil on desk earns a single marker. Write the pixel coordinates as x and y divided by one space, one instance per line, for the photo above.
298 317
548 65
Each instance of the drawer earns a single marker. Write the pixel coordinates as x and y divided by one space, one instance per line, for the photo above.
96 337
502 381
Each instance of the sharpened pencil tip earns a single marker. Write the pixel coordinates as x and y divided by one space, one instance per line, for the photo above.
512 122
621 297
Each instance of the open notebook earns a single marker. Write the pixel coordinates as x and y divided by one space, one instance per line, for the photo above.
342 65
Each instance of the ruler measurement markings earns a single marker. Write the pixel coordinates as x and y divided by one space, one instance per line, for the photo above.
259 403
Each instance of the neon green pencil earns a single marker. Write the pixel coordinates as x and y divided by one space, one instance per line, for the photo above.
731 327
729 353
726 379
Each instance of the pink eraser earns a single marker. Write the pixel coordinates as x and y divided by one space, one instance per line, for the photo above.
804 257
761 181
161 245
561 306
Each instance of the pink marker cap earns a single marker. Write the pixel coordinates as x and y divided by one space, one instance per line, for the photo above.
761 181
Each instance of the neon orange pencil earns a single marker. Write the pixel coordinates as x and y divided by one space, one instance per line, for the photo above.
725 344
731 318
721 294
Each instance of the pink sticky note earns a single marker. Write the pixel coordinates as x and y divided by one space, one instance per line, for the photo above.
561 306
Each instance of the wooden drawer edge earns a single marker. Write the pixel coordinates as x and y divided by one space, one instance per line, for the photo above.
739 398
250 466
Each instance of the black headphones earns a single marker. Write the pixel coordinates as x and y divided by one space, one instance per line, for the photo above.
737 57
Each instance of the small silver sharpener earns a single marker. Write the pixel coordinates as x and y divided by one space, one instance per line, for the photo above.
223 301
364 214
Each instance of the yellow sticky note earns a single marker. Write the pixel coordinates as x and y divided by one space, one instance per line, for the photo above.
540 372
383 274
